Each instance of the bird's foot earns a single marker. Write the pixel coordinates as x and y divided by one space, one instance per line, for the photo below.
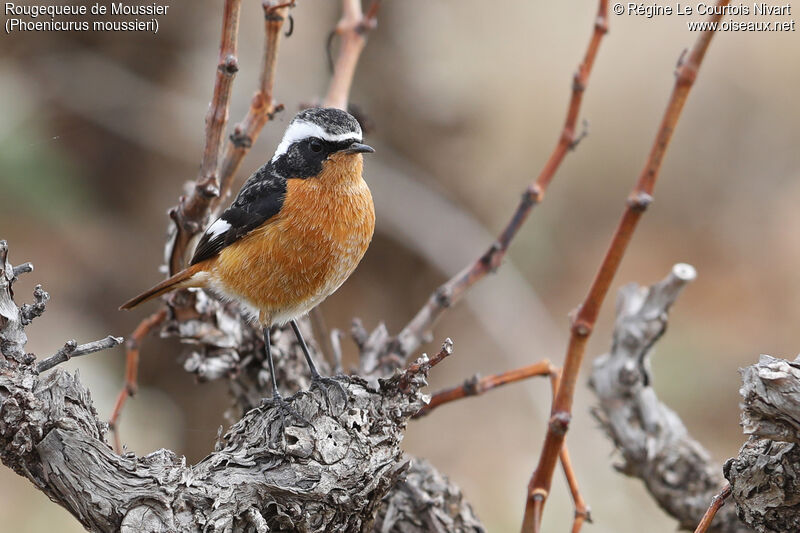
328 386
285 410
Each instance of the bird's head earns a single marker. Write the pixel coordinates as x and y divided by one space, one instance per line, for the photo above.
320 138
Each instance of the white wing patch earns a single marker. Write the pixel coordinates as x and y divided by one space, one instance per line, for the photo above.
301 129
217 228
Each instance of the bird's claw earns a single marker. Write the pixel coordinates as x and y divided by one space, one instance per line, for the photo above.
326 383
286 410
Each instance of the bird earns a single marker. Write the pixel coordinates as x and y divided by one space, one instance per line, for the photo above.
296 230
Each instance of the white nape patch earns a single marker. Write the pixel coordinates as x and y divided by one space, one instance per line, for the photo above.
301 129
218 228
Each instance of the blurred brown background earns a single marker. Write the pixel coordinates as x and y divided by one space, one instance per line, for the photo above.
100 130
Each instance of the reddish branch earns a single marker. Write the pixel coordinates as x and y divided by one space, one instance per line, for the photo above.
586 316
352 30
262 107
191 212
414 334
476 386
582 511
716 503
132 368
423 364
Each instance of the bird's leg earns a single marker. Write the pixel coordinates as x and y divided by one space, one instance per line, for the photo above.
277 399
268 352
316 378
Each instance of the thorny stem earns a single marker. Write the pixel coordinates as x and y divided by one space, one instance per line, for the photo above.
132 368
585 318
191 213
716 503
418 329
352 29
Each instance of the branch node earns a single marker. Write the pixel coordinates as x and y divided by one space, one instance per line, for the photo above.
582 135
30 311
578 85
24 268
230 66
639 201
559 422
532 195
581 327
276 108
240 139
208 187
443 296
472 385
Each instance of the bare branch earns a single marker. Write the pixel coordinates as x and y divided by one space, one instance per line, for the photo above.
263 108
423 364
587 313
352 30
476 385
716 502
24 268
72 349
191 213
30 311
130 386
448 294
654 444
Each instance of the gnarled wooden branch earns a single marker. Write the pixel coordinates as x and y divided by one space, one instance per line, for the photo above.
653 443
320 462
765 476
418 330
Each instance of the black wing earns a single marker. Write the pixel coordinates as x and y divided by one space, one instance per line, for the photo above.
259 200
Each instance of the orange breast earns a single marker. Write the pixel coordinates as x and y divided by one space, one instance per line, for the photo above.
308 250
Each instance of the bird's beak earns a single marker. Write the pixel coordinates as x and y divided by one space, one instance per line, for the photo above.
358 148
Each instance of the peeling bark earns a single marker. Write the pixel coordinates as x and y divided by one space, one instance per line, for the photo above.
653 442
765 476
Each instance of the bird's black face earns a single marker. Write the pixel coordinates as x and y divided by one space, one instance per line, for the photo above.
312 137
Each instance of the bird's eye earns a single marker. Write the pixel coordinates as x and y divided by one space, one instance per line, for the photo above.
316 146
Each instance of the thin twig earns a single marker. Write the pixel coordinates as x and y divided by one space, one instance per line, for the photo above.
423 364
352 29
262 106
73 349
476 386
132 368
191 213
414 334
716 503
582 511
24 268
586 316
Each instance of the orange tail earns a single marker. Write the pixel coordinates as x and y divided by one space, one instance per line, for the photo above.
181 280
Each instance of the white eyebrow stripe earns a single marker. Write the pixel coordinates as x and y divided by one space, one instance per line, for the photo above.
301 129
